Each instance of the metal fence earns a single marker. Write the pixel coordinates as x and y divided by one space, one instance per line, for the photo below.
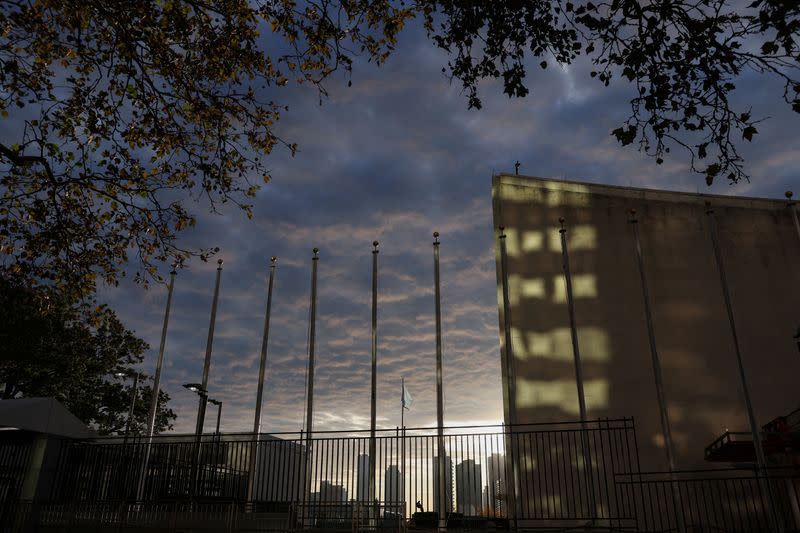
567 475
731 500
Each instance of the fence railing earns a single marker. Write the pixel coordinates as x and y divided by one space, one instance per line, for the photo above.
528 476
558 471
730 500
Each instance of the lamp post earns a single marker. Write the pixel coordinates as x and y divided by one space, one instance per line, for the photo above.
135 376
219 410
198 389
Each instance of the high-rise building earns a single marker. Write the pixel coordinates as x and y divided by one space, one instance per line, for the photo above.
468 488
495 484
362 482
393 490
331 493
448 477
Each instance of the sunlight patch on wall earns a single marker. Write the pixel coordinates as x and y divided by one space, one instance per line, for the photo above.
557 344
532 241
561 394
580 237
512 242
553 194
583 286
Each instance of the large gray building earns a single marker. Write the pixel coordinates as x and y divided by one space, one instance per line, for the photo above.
759 245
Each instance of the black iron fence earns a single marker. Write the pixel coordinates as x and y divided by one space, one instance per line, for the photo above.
559 471
731 500
567 475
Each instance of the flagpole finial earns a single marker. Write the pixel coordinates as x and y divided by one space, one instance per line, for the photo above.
789 195
273 260
502 231
561 221
316 253
375 246
435 237
632 214
219 264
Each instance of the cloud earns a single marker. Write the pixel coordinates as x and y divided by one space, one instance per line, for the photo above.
392 159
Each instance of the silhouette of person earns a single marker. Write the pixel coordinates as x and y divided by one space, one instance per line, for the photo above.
419 506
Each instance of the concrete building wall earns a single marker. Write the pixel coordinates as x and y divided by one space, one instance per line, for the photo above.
761 251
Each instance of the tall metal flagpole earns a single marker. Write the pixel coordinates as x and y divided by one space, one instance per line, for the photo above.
793 210
776 525
260 390
587 458
201 410
373 399
403 438
439 392
511 467
572 326
310 385
662 402
151 417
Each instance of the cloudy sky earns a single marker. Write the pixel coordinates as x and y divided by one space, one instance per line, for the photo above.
394 158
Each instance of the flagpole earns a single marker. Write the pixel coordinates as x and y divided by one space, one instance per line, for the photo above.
512 476
151 419
372 458
775 523
310 384
587 457
260 390
439 392
403 439
793 210
201 410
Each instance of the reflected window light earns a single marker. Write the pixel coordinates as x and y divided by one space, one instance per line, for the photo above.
557 344
583 286
518 344
554 194
532 241
561 394
533 288
580 237
512 242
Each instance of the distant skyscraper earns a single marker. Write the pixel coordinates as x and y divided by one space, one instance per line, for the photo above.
393 490
496 484
448 480
468 488
362 490
331 493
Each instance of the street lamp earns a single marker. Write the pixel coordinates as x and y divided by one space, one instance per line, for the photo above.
198 389
219 410
135 376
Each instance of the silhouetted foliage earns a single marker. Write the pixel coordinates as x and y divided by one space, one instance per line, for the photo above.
682 57
127 109
50 346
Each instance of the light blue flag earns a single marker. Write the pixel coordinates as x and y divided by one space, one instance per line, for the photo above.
406 399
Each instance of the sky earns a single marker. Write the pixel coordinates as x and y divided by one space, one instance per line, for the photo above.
393 158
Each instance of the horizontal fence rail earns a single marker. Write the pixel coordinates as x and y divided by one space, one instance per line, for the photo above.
494 476
729 500
552 476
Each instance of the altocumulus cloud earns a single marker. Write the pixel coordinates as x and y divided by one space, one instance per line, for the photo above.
393 158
